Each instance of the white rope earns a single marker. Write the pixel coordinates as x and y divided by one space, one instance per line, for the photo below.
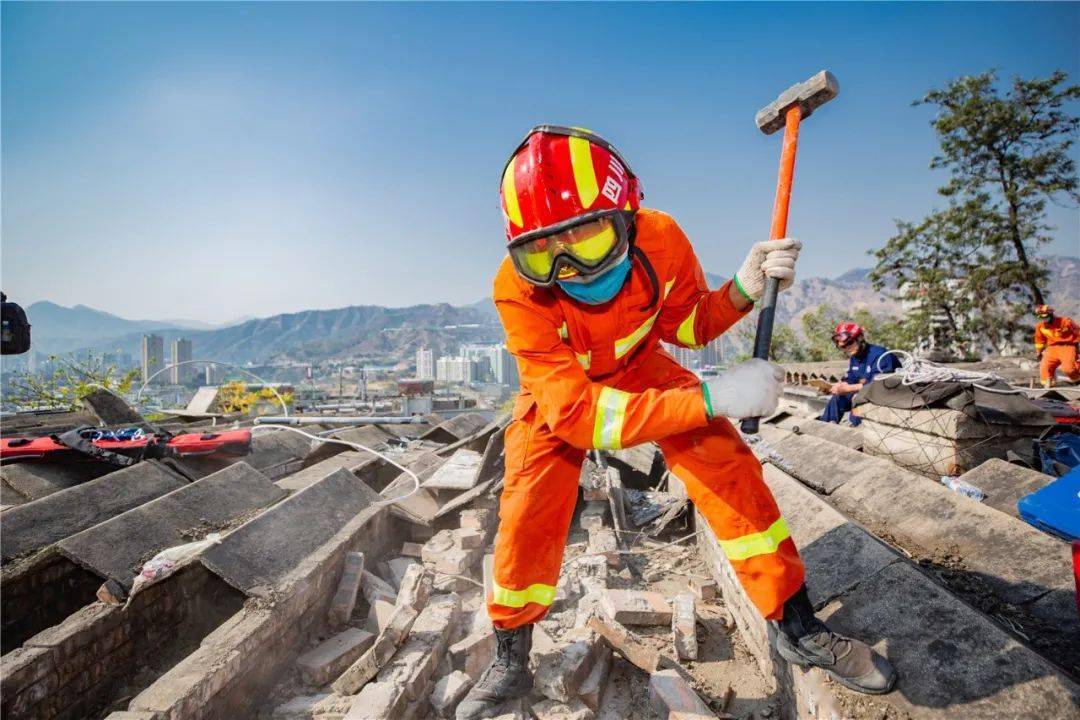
915 371
354 446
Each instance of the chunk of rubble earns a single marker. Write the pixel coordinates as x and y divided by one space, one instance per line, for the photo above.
398 568
560 670
473 653
328 659
449 692
593 514
375 588
636 607
673 697
460 472
592 689
602 541
704 588
625 642
684 626
555 710
341 607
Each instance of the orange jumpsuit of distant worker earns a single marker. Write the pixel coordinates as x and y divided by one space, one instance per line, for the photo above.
596 377
1057 340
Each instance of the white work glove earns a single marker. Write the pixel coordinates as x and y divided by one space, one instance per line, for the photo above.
750 389
772 258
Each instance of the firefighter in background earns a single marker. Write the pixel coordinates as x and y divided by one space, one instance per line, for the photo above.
865 362
1056 338
591 286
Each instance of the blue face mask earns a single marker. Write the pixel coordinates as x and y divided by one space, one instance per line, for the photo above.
600 289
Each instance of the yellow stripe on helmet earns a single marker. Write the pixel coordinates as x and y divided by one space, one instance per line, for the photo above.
510 198
584 173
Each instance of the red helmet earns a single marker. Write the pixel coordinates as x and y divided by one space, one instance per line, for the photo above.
568 199
1044 311
846 333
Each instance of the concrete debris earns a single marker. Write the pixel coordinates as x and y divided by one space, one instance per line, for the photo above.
560 670
634 607
327 660
602 542
341 607
460 472
673 697
375 588
555 710
473 653
684 626
625 642
448 692
704 588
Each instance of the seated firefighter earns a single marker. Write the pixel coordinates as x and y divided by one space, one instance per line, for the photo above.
592 284
1056 338
864 363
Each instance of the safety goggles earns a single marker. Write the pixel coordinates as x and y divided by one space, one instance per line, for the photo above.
586 245
841 341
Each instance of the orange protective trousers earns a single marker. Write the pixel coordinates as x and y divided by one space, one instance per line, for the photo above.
1059 356
721 475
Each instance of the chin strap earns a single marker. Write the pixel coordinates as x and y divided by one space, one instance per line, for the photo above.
649 271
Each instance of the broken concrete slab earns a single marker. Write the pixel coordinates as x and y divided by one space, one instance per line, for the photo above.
116 548
58 515
257 556
330 658
379 614
840 434
375 588
398 568
110 409
1004 483
371 436
341 607
350 460
636 607
421 506
460 472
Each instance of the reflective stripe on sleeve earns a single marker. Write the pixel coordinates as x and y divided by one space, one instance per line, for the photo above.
759 543
584 359
685 333
626 344
536 593
610 414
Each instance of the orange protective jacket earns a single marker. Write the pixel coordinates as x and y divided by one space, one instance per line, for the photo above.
566 350
1059 331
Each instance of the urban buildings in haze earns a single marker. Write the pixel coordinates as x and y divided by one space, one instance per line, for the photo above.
425 364
181 352
153 358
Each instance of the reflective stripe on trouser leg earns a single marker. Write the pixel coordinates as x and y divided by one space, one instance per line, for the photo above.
535 510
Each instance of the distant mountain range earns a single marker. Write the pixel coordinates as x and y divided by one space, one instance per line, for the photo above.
393 334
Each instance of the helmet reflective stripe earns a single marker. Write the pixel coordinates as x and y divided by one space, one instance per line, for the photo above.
510 198
584 173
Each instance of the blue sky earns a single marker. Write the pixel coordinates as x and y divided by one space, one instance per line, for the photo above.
215 160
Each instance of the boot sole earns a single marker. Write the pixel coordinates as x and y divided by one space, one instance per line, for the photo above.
799 660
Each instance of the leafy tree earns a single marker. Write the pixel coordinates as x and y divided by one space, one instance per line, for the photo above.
234 397
972 268
1013 150
69 380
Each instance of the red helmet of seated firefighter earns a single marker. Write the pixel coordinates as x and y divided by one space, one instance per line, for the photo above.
568 199
847 333
1044 312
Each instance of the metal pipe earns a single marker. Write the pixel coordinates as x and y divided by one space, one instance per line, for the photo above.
339 420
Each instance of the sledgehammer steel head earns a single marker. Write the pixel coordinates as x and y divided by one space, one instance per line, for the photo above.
808 95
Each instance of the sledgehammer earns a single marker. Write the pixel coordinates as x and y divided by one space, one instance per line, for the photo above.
787 111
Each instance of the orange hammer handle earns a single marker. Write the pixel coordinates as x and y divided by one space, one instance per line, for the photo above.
763 338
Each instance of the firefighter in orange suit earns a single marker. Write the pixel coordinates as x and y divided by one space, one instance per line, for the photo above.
592 284
1056 338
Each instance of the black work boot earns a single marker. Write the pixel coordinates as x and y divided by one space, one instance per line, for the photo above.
804 640
506 679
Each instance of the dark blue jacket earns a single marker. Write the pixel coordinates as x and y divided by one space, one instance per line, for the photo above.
864 367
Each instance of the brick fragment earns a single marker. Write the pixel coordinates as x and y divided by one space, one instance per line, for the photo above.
468 538
411 549
398 568
704 588
328 659
473 654
454 562
481 519
592 689
379 615
341 607
367 665
602 541
448 692
560 671
415 587
672 697
624 642
593 514
555 710
636 607
441 542
377 701
684 626
375 588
